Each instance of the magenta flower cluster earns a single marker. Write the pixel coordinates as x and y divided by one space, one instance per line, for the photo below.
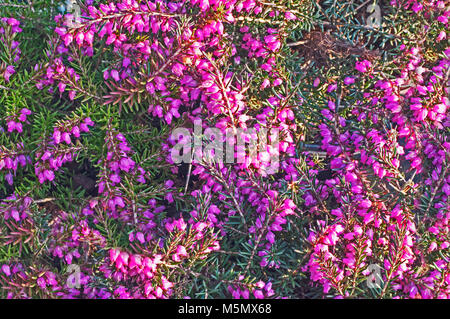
361 177
60 149
9 28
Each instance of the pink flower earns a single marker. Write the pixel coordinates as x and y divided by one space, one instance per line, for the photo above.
277 82
113 254
349 80
332 87
15 214
258 294
177 69
8 72
41 282
68 38
6 270
61 87
181 251
290 16
365 203
115 178
66 137
57 136
422 114
9 178
264 84
135 261
72 95
316 82
115 75
417 7
126 62
442 19
11 126
363 66
76 131
88 121
441 36
13 22
140 237
123 258
270 237
49 175
79 38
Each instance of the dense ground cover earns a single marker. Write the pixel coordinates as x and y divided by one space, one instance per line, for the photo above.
321 138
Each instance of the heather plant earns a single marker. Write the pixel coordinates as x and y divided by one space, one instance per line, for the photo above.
312 144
